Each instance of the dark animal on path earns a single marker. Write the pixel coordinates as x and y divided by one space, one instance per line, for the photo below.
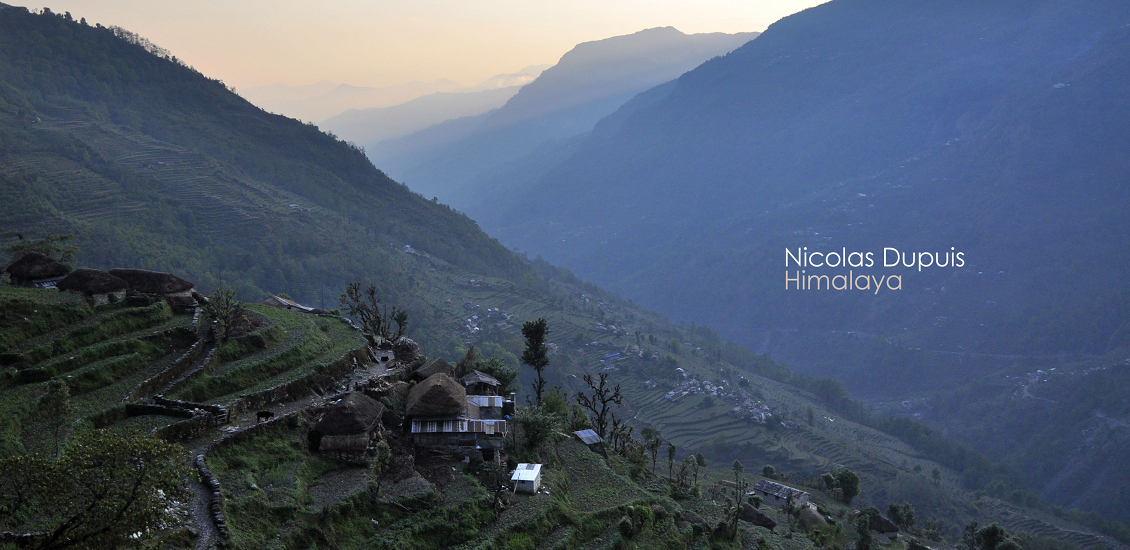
263 415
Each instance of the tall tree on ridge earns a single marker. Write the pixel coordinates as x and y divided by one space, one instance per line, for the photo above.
536 353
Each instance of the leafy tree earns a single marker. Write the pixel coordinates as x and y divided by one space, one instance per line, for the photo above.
537 426
769 471
556 403
225 311
989 537
52 245
109 489
810 415
969 536
863 527
699 462
848 482
505 374
671 460
936 475
902 514
536 354
56 406
914 544
578 418
652 441
600 401
739 494
382 459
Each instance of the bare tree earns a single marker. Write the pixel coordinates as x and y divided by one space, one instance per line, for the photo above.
365 306
600 401
225 311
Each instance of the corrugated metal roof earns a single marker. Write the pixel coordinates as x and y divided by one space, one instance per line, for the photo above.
776 489
526 472
589 437
478 377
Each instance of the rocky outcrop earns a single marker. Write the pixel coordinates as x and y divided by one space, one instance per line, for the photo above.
755 516
810 519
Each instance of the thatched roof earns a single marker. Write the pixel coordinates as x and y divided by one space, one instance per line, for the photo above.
33 266
354 414
152 282
405 349
438 395
434 365
468 362
355 443
91 281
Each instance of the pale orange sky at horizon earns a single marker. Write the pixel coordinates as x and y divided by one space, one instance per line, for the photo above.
251 43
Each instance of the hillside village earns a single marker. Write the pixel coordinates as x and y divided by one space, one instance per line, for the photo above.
371 426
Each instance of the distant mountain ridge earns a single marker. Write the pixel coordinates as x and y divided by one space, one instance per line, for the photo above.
589 82
322 100
378 124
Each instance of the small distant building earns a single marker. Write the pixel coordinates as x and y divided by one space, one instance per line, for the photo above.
481 383
779 495
590 438
275 300
526 478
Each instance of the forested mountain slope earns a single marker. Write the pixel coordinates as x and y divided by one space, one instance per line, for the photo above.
452 159
998 130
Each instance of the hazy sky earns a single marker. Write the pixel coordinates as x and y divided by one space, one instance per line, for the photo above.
250 43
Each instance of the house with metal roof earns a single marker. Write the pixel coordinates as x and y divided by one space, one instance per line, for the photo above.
526 478
481 383
779 495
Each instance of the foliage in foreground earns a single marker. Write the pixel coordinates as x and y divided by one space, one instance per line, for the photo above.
109 489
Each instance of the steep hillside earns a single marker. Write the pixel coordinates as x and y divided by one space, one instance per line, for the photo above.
153 165
997 130
590 81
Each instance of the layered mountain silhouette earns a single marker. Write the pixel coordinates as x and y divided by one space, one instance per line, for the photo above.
590 81
994 129
324 100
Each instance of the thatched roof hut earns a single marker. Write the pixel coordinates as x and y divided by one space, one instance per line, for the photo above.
348 426
152 282
353 414
438 395
33 266
433 366
406 349
91 282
